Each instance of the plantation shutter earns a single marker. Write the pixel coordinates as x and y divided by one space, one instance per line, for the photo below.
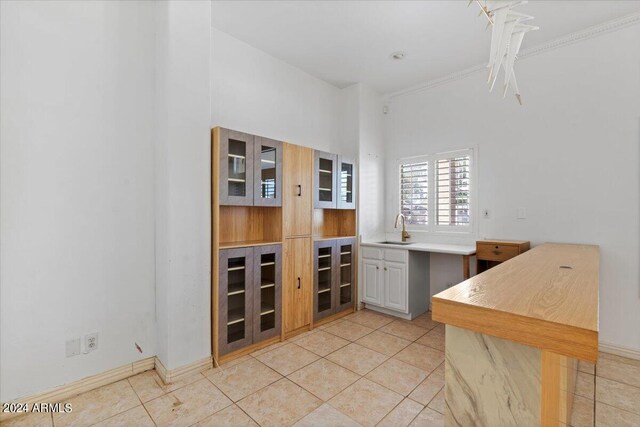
453 176
414 192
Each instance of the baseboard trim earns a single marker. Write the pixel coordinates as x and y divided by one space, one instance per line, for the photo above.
399 315
172 375
618 350
67 391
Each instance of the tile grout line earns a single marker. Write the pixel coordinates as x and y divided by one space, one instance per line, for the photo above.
149 414
254 392
119 413
387 358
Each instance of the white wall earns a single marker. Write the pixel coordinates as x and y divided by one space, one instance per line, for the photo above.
371 160
183 176
569 156
77 205
254 92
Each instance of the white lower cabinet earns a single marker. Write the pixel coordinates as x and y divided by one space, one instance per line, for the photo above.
395 286
372 280
395 281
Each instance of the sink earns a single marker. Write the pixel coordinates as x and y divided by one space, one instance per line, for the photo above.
396 243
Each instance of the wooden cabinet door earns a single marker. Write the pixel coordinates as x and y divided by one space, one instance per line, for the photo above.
344 293
297 284
325 180
297 190
325 277
236 168
372 281
346 183
267 292
267 172
235 299
395 286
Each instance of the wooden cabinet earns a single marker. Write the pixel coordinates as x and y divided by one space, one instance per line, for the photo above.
263 225
297 283
346 281
267 166
335 181
346 183
236 168
325 168
249 294
324 277
235 299
267 294
395 281
334 276
250 170
490 253
298 190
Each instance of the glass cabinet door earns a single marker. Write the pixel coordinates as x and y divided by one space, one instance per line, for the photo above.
346 283
236 168
325 166
267 189
235 299
346 183
324 278
267 294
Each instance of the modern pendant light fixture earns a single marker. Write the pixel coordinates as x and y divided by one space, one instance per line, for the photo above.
507 33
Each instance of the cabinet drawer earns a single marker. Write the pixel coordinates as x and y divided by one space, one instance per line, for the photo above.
492 252
395 255
371 253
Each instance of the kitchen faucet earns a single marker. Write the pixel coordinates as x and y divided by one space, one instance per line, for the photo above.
405 235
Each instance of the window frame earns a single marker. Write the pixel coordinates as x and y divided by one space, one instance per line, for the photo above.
432 159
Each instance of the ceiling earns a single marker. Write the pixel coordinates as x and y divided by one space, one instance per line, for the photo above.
344 42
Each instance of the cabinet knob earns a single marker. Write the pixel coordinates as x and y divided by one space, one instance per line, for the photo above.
385 269
377 268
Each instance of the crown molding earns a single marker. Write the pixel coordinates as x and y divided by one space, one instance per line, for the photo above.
587 33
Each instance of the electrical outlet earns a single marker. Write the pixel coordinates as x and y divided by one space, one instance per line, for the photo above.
73 347
90 342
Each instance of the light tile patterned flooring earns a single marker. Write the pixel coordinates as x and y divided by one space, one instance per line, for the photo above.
366 369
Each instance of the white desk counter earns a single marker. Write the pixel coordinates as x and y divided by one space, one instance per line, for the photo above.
427 247
442 248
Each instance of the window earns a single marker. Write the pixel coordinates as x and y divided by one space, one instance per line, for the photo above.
436 191
414 192
452 193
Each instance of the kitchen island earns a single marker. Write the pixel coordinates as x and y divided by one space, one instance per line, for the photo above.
514 335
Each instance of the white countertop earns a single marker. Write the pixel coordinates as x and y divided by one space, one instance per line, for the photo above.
427 247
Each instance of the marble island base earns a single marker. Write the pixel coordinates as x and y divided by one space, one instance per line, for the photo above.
496 382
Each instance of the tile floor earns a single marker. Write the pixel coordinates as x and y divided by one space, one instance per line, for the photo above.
364 370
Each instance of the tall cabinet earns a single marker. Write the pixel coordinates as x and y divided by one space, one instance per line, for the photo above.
276 209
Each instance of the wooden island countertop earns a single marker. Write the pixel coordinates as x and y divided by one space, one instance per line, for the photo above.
546 298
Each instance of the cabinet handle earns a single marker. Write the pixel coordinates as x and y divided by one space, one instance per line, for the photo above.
299 190
298 283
